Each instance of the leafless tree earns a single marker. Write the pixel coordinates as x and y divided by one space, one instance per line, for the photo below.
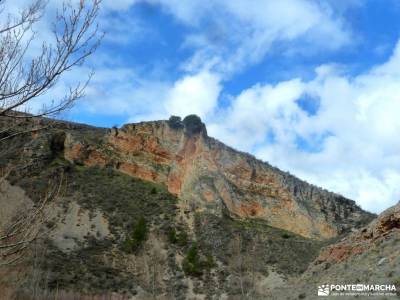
253 263
17 236
245 263
156 269
238 264
24 80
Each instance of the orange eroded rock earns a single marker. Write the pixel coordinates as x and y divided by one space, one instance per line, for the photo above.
198 168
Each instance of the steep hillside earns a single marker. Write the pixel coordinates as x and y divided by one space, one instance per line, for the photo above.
370 256
111 233
208 175
157 210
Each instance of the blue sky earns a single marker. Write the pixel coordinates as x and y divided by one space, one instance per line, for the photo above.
311 86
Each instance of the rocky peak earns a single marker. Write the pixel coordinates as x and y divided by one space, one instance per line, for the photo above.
208 175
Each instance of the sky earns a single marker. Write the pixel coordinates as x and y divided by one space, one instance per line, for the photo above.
310 86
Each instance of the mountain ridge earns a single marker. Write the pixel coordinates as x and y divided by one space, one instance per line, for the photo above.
195 166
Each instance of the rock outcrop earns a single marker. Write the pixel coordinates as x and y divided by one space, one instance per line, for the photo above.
370 255
385 227
208 175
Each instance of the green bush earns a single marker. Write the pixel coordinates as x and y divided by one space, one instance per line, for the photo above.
183 238
175 122
193 124
172 236
138 235
191 264
178 236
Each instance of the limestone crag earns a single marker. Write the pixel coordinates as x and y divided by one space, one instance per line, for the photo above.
385 227
208 175
369 255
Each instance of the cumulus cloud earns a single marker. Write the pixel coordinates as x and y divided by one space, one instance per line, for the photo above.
353 135
257 112
195 94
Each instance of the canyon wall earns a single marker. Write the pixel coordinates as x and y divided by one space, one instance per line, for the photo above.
208 175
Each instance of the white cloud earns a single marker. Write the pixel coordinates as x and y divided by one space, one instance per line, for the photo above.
257 111
359 152
196 94
121 92
234 34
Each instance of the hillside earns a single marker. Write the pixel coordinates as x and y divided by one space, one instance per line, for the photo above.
370 255
207 174
159 210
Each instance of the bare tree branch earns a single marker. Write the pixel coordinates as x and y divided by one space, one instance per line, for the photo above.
24 80
17 237
29 15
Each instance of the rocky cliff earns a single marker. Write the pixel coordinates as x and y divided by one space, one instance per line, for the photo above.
370 255
208 175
